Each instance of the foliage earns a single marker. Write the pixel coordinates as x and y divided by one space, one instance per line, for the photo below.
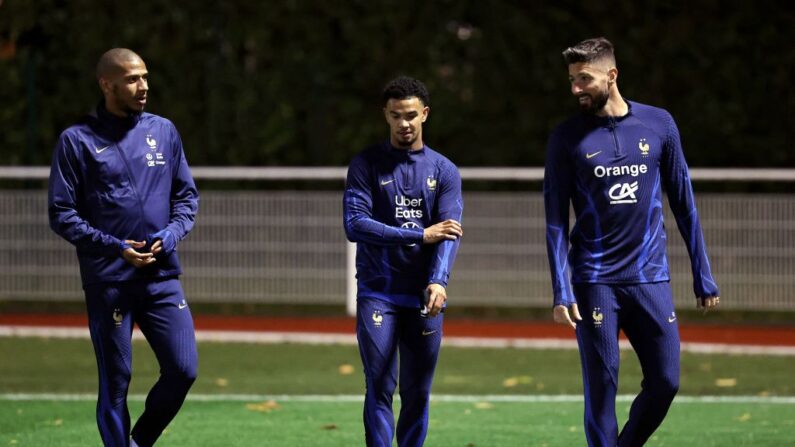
293 82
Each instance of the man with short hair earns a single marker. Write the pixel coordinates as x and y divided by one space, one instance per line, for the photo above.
121 192
402 206
611 162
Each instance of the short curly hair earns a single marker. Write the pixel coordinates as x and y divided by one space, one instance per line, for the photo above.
404 87
590 50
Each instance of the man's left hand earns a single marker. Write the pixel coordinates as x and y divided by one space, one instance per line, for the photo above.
164 242
436 296
707 303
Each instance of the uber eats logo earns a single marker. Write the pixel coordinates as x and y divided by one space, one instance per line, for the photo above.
407 208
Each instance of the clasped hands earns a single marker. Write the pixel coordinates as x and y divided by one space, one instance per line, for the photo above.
164 242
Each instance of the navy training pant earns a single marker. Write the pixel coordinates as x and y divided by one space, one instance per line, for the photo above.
159 309
384 331
645 312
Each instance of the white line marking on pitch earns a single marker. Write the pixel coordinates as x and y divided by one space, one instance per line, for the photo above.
313 338
333 398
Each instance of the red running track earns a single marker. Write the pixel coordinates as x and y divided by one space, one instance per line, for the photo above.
724 334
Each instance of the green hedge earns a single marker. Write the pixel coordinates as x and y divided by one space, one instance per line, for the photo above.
298 82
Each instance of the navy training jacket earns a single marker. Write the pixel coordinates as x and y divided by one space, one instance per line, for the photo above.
114 179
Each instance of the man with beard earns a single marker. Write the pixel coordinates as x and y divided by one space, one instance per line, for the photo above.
402 206
611 162
121 192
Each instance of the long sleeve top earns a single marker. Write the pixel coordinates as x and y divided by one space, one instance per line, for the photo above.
114 179
391 195
613 170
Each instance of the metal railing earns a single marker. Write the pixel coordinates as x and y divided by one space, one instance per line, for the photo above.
288 246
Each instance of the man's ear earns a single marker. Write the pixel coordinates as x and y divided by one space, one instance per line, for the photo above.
612 75
104 85
425 111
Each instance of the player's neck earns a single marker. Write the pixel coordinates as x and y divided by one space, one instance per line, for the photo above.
415 146
616 106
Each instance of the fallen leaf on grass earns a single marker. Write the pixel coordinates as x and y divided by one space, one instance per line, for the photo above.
484 405
510 382
329 427
513 381
264 407
745 417
221 382
345 369
726 382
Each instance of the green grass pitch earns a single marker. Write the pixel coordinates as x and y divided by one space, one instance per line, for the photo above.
284 395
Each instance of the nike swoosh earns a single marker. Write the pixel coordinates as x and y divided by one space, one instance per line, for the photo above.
182 305
428 332
671 319
592 155
99 150
383 183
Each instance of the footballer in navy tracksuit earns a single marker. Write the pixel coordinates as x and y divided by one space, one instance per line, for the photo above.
402 206
612 163
121 192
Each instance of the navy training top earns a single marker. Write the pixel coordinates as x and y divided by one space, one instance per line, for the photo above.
613 170
391 195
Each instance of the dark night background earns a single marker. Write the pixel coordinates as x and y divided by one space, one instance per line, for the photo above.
298 82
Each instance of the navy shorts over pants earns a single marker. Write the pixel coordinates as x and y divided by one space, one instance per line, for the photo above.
159 309
645 312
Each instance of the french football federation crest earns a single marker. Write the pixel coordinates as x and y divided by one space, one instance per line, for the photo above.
117 317
150 140
431 182
377 318
597 316
644 147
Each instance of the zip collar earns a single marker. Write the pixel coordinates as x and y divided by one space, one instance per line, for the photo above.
113 124
404 154
610 121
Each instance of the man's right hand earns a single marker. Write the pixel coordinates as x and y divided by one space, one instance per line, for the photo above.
135 258
560 314
448 230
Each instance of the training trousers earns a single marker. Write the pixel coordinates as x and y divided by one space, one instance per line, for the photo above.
161 312
385 331
645 312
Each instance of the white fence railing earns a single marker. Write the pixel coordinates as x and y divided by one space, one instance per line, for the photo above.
288 246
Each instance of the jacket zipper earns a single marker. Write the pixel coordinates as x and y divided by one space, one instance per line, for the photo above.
135 190
612 128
